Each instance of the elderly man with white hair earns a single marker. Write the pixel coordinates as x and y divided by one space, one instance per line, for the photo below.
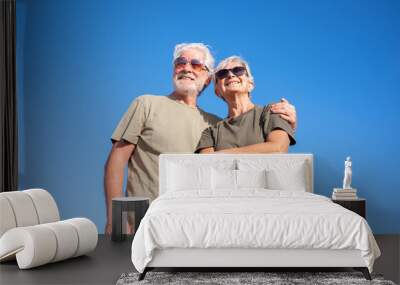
159 124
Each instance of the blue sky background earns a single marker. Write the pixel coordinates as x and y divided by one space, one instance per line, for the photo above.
81 63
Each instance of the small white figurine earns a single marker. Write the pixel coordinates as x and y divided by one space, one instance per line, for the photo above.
347 174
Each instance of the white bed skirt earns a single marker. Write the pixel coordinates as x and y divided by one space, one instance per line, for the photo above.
193 257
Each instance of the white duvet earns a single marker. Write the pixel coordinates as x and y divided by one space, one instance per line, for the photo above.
251 218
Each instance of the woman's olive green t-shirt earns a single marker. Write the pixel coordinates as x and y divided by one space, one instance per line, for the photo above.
251 127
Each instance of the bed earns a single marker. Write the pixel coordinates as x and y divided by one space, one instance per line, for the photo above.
221 210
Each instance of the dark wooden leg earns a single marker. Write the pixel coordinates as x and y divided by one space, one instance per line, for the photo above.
364 271
116 221
143 274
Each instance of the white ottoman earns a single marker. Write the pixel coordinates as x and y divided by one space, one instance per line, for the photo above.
31 232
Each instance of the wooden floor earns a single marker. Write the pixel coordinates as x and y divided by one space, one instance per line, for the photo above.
103 266
110 260
389 262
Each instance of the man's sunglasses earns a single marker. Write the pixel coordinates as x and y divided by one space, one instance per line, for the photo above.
196 64
224 73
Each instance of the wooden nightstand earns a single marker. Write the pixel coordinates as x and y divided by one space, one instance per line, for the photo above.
358 206
139 205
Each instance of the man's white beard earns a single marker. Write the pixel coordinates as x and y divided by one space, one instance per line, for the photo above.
187 89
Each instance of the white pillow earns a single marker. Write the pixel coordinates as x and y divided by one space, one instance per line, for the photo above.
292 179
281 174
227 179
223 179
251 178
184 177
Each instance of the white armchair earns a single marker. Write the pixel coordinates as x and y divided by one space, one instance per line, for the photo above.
31 230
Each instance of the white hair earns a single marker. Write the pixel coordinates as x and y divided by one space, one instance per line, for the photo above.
230 59
208 58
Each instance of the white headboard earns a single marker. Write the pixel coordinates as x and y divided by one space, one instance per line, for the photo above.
231 161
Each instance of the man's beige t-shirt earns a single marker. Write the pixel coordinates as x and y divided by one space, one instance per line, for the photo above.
158 124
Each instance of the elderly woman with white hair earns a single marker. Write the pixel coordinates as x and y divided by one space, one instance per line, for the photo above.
248 128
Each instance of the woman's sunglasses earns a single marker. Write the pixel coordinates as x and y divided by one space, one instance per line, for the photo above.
196 64
224 73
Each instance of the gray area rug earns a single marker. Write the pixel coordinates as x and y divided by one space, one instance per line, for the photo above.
269 278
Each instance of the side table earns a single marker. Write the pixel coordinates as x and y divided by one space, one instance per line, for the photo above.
138 205
358 205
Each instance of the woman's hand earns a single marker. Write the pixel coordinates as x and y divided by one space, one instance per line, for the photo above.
286 112
207 150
